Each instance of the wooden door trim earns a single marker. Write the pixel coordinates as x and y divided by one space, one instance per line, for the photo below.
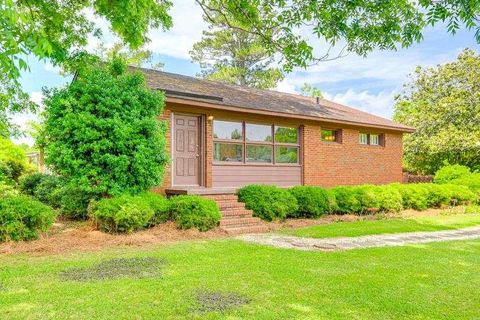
201 141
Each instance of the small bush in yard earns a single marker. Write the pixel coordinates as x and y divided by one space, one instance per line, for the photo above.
23 218
7 190
73 202
388 198
268 202
471 181
121 214
29 183
414 196
451 172
194 212
45 190
312 201
347 200
160 206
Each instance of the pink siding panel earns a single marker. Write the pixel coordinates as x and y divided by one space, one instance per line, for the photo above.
239 176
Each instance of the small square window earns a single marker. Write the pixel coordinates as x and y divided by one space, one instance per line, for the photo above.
375 139
363 138
330 135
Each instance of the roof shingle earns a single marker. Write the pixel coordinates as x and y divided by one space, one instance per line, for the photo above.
180 86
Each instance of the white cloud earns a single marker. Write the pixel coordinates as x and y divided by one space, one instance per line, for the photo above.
380 104
37 97
285 86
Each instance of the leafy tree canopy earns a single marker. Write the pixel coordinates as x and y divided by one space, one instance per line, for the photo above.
443 105
57 31
234 56
287 27
102 131
310 91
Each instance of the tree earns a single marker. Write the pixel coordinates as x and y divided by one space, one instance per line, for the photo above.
102 132
362 25
234 56
58 31
13 161
132 57
443 105
310 91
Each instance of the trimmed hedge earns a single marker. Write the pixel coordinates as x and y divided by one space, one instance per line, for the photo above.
23 218
312 202
123 214
268 202
194 212
73 202
160 206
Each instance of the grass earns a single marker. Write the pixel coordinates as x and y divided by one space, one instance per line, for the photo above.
429 281
370 227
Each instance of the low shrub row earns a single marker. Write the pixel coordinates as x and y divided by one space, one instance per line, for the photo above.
23 218
271 203
130 213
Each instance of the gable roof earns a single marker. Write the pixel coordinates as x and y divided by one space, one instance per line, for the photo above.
252 99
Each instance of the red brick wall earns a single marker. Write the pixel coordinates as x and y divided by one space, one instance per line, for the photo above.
167 178
324 163
347 163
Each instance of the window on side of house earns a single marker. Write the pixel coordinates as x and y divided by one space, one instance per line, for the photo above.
330 135
373 139
287 145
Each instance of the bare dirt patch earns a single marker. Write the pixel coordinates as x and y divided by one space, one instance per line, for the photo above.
137 268
219 301
67 236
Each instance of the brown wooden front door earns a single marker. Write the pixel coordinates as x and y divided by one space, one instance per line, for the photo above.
186 150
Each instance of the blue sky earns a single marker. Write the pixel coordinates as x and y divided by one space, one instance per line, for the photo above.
369 84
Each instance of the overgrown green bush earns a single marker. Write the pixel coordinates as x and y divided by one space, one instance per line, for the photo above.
451 172
268 202
7 190
23 218
312 201
29 183
194 212
13 161
160 206
471 181
102 131
46 189
73 202
123 214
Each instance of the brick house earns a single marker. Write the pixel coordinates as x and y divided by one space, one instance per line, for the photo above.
222 136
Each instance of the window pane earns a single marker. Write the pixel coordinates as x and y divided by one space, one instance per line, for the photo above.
227 130
286 154
227 152
259 154
375 139
329 135
363 138
286 135
258 132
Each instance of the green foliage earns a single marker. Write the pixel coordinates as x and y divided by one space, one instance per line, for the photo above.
57 31
233 55
268 202
46 189
364 26
310 91
194 212
22 218
388 198
347 200
312 201
7 190
160 206
102 133
13 161
123 214
29 183
443 105
414 196
471 181
451 172
73 202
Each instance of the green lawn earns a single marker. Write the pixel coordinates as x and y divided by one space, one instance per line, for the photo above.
433 281
369 227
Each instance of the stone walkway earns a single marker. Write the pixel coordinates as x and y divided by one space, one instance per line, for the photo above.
381 240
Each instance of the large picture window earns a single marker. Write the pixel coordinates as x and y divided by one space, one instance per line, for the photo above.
251 143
